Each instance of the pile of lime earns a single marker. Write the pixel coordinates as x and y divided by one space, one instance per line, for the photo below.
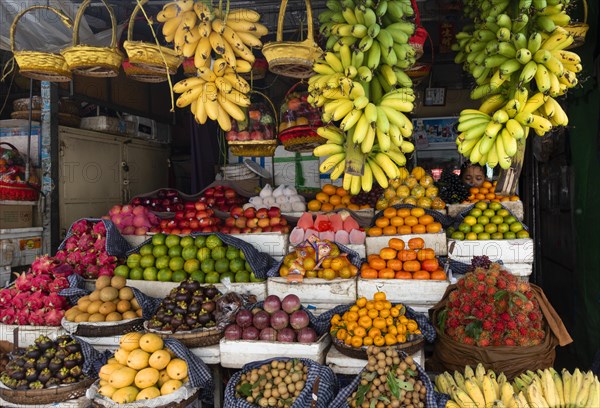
488 221
171 258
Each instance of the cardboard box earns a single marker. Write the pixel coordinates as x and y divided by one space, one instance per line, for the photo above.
16 216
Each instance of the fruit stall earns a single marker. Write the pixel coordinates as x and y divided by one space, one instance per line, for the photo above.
338 257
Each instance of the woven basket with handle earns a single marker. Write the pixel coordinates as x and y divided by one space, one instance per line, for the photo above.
291 58
148 62
93 61
40 65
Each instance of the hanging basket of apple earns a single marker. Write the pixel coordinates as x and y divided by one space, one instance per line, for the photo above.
256 135
299 121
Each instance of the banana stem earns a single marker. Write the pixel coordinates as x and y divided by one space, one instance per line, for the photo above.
355 159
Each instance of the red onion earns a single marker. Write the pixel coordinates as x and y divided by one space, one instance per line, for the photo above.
261 320
233 332
268 334
272 304
299 319
250 333
244 318
291 303
307 335
286 335
279 320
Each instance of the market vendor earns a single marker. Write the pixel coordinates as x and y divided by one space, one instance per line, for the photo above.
472 174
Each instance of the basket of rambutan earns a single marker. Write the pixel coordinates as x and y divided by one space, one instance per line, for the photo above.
492 317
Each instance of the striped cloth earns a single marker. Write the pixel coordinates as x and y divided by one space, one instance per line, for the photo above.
353 257
439 217
327 385
433 400
93 360
116 245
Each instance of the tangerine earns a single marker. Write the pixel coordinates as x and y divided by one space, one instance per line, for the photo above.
326 207
419 229
389 212
390 230
394 264
345 199
382 222
417 212
434 228
411 220
426 219
425 253
374 232
412 266
314 205
401 275
397 221
438 275
404 230
407 255
379 296
416 243
386 273
430 265
322 197
387 253
356 342
396 243
403 212
329 189
353 207
377 264
421 275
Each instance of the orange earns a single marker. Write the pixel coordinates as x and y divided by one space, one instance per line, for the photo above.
392 329
396 243
390 339
335 200
353 207
374 332
326 207
357 342
360 331
373 313
348 340
483 191
425 253
389 212
382 222
346 199
354 308
412 266
421 275
363 312
404 230
438 275
372 256
416 243
351 316
314 205
419 229
386 273
403 212
341 334
434 228
486 184
367 341
370 305
379 341
322 197
329 189
341 192
514 198
384 313
365 207
377 264
390 230
361 302
480 197
407 255
365 322
379 323
426 219
379 296
430 265
394 264
397 221
474 190
338 263
411 220
417 212
490 196
401 338
402 275
387 253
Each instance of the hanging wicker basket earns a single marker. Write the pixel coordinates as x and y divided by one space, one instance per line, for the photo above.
291 58
93 61
579 30
148 62
40 65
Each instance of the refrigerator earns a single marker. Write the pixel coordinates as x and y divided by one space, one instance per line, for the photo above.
435 144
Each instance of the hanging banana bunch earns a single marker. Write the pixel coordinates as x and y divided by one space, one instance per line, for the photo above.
520 63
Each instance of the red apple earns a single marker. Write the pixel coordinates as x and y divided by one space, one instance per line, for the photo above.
201 214
231 136
263 222
200 206
257 229
172 224
235 230
277 228
230 222
190 214
179 215
241 222
186 231
243 136
194 224
237 212
219 202
252 222
256 135
230 193
246 230
274 212
189 205
219 193
209 192
262 213
204 222
283 221
210 201
250 212
164 223
184 224
155 230
275 221
165 230
210 212
175 231
206 229
225 230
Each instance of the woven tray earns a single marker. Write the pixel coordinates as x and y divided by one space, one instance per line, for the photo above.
65 105
410 347
46 395
107 329
191 339
64 119
301 139
183 404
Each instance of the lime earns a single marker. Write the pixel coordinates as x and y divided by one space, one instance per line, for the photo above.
122 270
203 254
522 234
146 249
186 241
482 205
503 227
471 236
491 228
477 228
247 266
483 236
176 263
147 260
200 241
242 255
458 235
179 276
489 213
497 235
510 219
470 220
507 235
222 265
133 260
227 276
208 265
150 273
483 220
212 241
253 278
450 230
503 212
162 262
242 276
516 227
172 240
218 253
198 276
212 277
496 219
158 239
175 251
232 253
160 250
464 227
236 265
475 212
136 273
495 206
189 252
164 275
191 265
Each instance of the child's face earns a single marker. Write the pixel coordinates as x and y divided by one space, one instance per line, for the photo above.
473 176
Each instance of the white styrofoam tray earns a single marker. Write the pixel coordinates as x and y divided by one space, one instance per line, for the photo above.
136 240
272 243
28 334
507 250
315 290
409 291
162 289
237 353
437 242
209 355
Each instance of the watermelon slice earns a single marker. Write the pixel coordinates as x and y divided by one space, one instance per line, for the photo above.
350 224
357 237
305 221
310 232
337 223
342 237
296 236
328 235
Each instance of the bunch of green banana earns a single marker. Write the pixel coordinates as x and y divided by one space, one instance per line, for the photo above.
549 16
548 388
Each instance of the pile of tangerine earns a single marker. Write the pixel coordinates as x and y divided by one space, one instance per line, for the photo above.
487 192
373 322
332 198
396 261
404 221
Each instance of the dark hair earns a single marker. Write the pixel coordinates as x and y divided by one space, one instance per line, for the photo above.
468 164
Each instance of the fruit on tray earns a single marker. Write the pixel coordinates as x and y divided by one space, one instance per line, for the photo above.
195 217
489 221
492 307
221 198
171 258
45 364
141 369
283 197
339 227
277 320
331 198
400 261
111 301
275 390
317 259
251 220
369 198
404 221
133 219
259 125
374 322
296 111
487 192
164 200
389 377
417 188
189 306
452 189
85 250
34 299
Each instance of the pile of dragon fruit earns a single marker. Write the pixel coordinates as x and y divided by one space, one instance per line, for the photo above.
85 250
34 298
491 307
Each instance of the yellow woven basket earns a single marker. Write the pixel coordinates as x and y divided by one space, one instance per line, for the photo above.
43 66
149 57
291 58
93 61
579 30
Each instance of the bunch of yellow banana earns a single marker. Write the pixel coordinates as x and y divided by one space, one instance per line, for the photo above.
219 94
548 388
550 16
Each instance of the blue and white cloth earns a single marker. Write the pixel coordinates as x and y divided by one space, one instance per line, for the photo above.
93 360
116 245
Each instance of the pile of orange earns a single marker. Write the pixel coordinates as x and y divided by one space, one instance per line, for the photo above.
487 192
334 266
403 221
373 322
396 261
331 198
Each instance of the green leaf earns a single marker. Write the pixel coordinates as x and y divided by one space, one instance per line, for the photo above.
474 329
394 389
406 386
442 317
370 376
361 392
373 403
246 389
520 295
384 399
500 294
411 372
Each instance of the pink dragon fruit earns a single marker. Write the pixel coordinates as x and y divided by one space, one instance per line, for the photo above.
106 270
8 316
40 282
89 258
61 255
54 301
99 228
37 318
100 244
53 317
34 302
79 227
43 264
85 242
106 259
63 269
91 271
71 243
23 282
23 317
75 258
58 284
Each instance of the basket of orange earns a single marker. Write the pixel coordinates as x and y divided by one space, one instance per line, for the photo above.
376 322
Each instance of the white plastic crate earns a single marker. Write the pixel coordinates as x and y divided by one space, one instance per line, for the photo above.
315 290
26 244
420 294
518 251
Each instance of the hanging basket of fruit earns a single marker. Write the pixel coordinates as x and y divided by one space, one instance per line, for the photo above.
417 41
255 136
13 182
299 121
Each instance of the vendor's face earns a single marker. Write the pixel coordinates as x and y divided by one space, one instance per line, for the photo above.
473 176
